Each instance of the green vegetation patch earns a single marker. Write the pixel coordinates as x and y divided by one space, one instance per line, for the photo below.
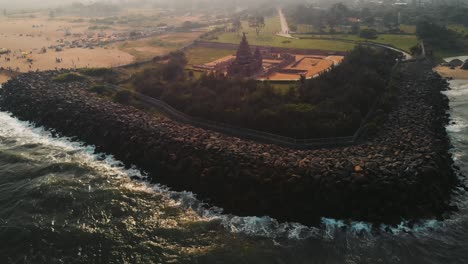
69 77
95 72
124 97
201 55
441 41
403 42
332 105
277 41
410 29
268 37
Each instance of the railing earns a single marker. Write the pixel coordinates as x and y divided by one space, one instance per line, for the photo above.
251 134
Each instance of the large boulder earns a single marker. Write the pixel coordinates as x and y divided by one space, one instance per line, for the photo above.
455 63
465 65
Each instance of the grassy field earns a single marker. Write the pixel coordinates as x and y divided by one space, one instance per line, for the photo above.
282 87
277 41
146 49
310 29
268 37
272 26
201 55
404 42
460 29
411 29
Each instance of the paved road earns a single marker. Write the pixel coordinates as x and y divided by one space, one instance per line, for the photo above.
284 25
406 54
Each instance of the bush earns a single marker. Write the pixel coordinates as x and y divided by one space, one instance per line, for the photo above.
416 50
96 71
368 33
123 97
371 128
293 27
69 77
99 89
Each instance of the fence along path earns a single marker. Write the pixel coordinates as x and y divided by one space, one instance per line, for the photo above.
246 133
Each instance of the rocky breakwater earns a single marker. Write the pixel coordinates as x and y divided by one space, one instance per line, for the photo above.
405 171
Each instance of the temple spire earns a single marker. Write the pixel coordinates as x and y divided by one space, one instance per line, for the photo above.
246 63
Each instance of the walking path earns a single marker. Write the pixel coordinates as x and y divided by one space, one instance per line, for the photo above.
284 25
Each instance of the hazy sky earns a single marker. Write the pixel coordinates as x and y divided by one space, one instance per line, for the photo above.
32 3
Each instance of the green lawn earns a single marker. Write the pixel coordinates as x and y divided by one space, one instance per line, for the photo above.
268 37
404 42
459 28
304 29
201 55
277 41
272 26
310 29
282 87
411 29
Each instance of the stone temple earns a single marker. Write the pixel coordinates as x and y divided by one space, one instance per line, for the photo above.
269 63
246 64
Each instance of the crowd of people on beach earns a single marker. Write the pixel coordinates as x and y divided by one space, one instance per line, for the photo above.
20 57
20 60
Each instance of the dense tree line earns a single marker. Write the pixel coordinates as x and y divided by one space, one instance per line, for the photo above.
333 104
385 17
439 37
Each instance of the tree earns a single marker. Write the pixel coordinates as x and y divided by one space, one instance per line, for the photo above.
257 22
416 50
51 14
367 17
390 19
337 15
368 33
355 28
123 97
237 25
302 86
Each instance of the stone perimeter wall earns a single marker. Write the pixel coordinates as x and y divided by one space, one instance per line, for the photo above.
404 171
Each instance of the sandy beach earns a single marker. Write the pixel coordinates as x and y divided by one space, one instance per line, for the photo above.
449 73
3 78
26 38
456 73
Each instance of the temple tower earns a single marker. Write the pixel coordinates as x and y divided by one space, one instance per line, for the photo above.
246 64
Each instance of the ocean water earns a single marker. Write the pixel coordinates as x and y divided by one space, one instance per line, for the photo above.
60 202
